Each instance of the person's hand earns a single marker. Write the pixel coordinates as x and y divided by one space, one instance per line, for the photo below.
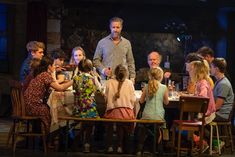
167 75
108 72
59 69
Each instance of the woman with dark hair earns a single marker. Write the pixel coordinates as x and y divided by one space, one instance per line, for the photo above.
59 57
78 54
38 91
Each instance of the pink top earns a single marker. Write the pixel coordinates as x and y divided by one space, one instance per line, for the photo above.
204 89
127 94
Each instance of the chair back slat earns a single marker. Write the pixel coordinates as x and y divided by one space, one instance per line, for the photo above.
193 104
17 98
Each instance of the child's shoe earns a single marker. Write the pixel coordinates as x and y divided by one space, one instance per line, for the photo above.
86 148
205 146
110 150
119 150
138 154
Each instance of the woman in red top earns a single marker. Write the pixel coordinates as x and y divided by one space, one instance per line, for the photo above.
37 93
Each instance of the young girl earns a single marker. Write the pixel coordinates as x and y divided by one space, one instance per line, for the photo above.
155 94
200 77
120 97
196 57
198 72
85 87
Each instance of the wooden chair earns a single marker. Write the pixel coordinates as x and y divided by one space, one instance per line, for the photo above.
190 105
225 128
212 126
22 124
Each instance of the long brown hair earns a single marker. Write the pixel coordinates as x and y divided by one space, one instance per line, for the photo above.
121 74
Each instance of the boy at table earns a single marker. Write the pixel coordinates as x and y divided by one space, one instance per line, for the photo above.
223 91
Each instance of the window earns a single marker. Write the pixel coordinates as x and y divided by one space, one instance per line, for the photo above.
3 38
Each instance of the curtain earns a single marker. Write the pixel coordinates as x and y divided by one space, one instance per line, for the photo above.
37 21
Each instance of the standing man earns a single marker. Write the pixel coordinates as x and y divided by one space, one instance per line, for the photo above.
113 50
223 91
35 50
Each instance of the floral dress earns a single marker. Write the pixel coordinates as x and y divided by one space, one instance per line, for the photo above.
85 88
36 96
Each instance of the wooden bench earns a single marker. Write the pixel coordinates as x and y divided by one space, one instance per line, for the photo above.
155 123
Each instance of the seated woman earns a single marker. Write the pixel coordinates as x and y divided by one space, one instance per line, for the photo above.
59 56
38 91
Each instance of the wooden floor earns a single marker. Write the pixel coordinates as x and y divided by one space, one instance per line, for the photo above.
5 125
6 151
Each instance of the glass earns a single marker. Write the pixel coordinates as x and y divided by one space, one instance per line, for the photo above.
177 87
68 75
103 85
142 85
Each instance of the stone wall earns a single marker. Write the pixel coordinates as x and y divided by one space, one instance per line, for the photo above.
152 27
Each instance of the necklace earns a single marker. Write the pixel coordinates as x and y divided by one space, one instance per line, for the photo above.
219 81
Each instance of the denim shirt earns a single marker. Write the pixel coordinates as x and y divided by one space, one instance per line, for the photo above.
25 67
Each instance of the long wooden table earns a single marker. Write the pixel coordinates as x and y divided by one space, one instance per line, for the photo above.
155 123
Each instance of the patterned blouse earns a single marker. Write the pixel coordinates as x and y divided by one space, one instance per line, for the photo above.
36 96
85 88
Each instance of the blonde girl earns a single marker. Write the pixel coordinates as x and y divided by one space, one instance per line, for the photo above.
200 77
155 95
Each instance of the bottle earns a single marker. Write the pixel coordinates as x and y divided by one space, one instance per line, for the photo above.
170 88
167 67
167 64
173 92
